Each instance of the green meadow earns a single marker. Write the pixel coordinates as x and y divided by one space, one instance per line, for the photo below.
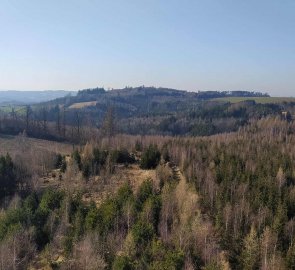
261 100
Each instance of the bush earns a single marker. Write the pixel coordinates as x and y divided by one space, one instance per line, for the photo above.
8 183
142 233
86 170
67 244
145 191
63 166
99 160
124 194
164 258
150 158
108 212
13 218
165 154
151 210
91 218
138 146
58 161
51 200
77 158
99 157
31 203
122 263
122 156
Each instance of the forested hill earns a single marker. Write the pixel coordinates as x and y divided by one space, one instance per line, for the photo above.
145 111
149 110
141 97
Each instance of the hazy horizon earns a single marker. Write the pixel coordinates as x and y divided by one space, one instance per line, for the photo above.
190 45
110 89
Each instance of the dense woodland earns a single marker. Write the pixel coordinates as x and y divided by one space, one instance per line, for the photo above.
121 201
236 210
141 110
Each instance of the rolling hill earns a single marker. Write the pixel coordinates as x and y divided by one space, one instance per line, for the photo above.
149 111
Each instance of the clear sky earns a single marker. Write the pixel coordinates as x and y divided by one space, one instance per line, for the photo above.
184 44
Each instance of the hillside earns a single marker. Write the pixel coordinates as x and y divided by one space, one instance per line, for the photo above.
143 111
149 110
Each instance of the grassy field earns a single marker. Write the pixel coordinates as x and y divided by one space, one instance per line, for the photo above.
81 105
20 110
261 100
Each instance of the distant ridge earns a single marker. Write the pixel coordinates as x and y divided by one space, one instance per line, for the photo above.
149 110
18 97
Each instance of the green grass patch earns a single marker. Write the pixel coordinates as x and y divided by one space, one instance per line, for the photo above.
261 100
18 109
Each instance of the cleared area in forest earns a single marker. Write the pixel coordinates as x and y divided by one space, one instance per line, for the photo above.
15 144
81 105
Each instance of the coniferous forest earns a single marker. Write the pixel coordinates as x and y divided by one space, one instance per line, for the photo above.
182 156
95 198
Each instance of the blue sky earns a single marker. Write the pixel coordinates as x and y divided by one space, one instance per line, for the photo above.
184 44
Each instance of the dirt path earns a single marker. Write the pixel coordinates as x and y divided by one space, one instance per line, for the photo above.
187 198
193 222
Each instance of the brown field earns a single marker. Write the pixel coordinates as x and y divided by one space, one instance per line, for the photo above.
81 105
15 144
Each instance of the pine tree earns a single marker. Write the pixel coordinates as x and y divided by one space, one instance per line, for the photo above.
250 252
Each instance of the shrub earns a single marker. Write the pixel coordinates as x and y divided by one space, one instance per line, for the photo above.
124 194
151 210
108 212
164 258
99 157
31 203
63 165
77 158
142 233
122 156
58 161
67 244
51 200
165 154
138 146
91 218
8 183
145 191
150 158
86 170
122 263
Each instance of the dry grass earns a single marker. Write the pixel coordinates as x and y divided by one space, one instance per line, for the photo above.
15 144
187 199
98 188
34 157
81 105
